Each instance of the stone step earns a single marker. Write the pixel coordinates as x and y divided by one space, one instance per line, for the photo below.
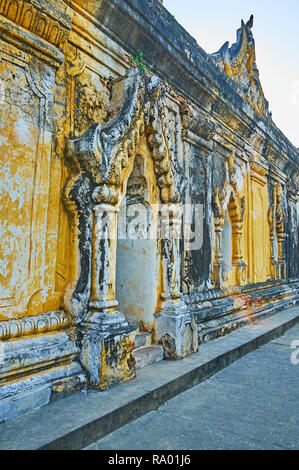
143 339
148 355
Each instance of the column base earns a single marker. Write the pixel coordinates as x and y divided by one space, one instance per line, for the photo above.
37 369
241 279
219 274
176 330
282 270
107 342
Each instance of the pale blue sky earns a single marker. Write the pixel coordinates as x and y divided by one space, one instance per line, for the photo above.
276 33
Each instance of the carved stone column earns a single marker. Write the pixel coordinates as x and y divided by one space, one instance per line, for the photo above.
236 208
176 330
104 256
218 224
219 264
274 271
281 236
276 219
292 247
281 256
107 338
171 223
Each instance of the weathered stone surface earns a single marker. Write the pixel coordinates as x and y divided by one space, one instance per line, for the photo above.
262 380
117 164
77 421
148 355
23 402
142 339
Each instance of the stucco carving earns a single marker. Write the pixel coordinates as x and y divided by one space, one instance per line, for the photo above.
101 154
43 19
104 151
229 199
39 324
277 220
239 62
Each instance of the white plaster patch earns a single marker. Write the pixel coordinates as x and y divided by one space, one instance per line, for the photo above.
13 185
226 202
4 141
14 249
136 278
239 178
23 132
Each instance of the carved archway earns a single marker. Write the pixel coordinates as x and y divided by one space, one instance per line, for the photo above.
98 161
229 200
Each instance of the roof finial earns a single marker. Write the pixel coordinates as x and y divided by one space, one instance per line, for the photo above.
249 24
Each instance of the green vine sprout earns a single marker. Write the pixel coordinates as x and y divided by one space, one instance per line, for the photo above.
139 61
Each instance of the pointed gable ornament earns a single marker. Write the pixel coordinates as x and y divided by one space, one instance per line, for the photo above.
239 62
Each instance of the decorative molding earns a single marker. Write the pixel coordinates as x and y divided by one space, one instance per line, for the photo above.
292 191
98 158
14 36
31 86
258 172
239 62
77 199
198 123
44 323
42 18
103 151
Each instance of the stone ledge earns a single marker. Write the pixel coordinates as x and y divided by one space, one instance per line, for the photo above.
77 421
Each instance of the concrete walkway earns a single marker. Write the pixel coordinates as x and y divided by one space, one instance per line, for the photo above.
252 404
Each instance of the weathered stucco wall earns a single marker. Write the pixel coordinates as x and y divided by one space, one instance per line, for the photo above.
85 125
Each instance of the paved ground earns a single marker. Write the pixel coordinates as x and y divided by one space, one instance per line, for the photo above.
252 404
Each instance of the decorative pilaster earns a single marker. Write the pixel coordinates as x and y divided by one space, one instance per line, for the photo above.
281 236
176 329
236 208
276 219
229 199
106 338
171 224
218 224
274 271
292 228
